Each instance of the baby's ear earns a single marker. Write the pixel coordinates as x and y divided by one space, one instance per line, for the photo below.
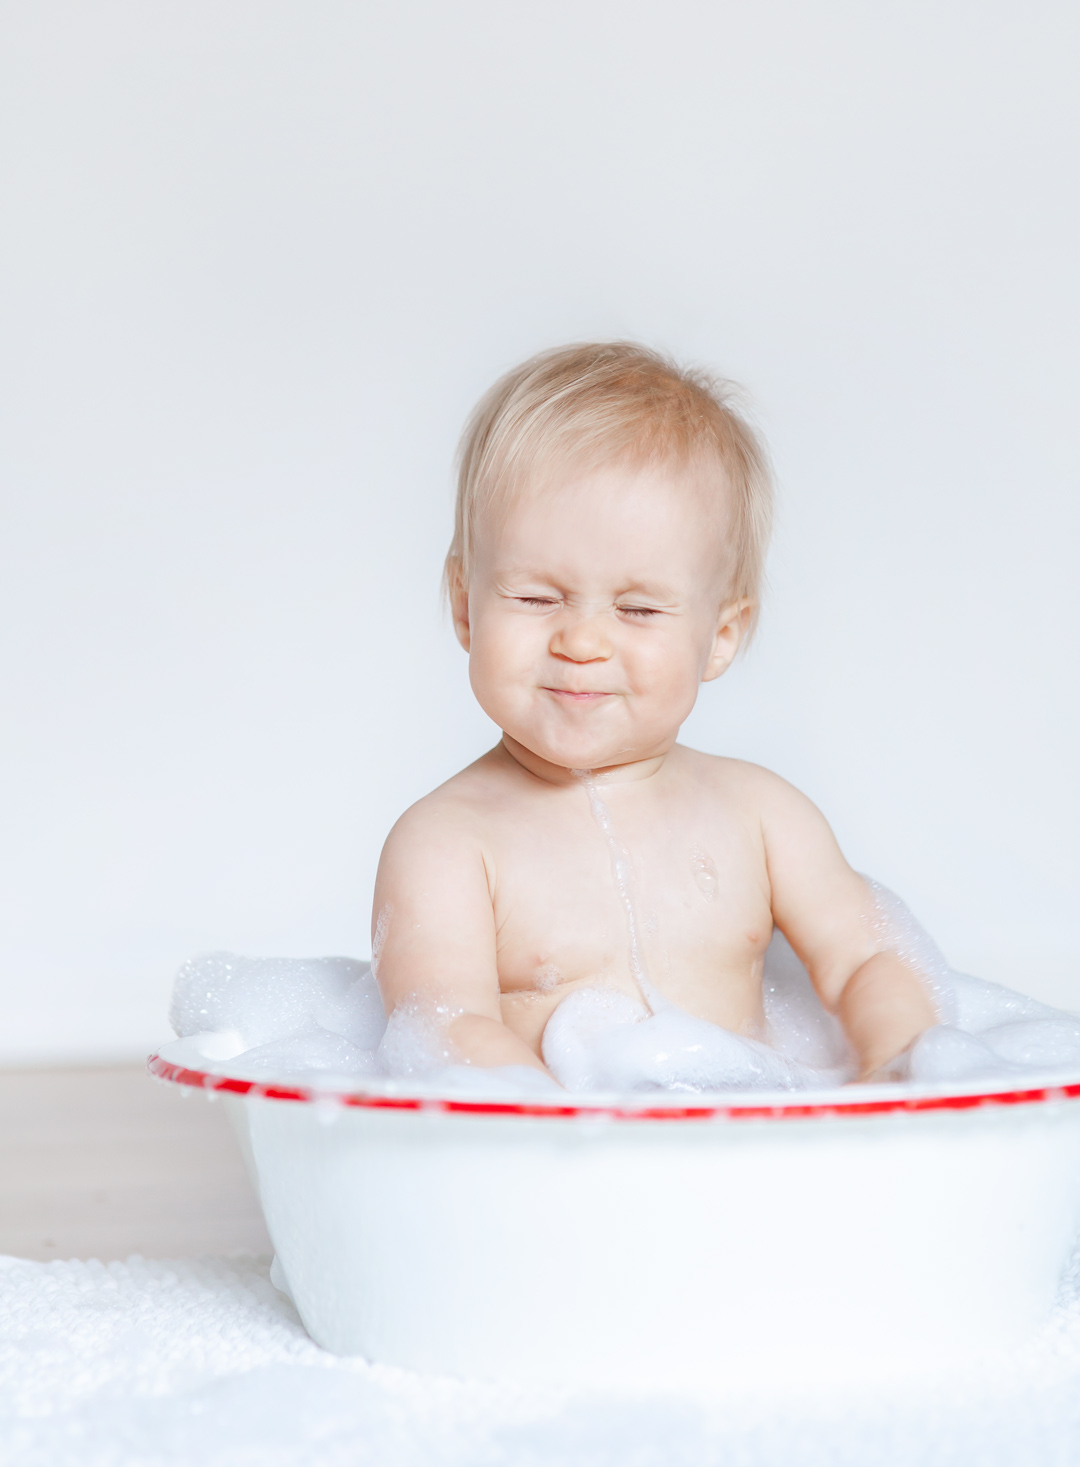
732 626
457 593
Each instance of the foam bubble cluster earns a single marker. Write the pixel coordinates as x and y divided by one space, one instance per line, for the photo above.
322 1019
600 1039
270 1015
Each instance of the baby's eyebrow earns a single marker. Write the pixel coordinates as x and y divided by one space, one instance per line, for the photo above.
646 588
518 576
650 591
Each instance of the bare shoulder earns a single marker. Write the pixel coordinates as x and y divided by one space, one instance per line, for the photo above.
750 786
795 835
457 813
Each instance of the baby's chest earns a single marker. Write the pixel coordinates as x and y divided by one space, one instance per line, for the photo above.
689 901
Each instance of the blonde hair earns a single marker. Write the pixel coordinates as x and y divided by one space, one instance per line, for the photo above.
608 402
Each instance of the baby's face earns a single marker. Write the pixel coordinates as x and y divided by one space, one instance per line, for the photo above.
594 611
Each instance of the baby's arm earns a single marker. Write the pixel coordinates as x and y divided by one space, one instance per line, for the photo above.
433 931
826 911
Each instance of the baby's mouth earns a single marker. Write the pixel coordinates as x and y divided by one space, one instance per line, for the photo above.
577 697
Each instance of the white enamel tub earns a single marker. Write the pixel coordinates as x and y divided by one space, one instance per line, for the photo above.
658 1244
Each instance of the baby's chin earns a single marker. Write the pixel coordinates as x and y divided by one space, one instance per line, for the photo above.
577 754
583 736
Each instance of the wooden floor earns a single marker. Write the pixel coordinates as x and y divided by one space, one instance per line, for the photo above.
106 1162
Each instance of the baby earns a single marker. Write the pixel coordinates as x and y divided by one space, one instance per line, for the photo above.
612 519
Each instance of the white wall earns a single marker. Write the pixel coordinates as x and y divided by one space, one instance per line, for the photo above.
258 260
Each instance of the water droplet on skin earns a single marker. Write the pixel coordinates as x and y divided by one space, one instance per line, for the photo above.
378 942
706 876
622 871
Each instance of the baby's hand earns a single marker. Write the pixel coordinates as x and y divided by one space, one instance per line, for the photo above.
893 1071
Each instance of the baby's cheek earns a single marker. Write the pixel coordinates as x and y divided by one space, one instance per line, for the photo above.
669 673
508 645
484 677
500 664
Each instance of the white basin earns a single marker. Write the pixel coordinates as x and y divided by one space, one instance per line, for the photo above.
613 1243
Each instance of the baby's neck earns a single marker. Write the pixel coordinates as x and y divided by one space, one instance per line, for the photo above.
634 769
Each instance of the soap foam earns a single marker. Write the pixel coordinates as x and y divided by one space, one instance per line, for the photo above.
322 1020
600 1039
264 1000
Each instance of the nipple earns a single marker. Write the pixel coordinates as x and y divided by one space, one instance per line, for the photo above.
546 978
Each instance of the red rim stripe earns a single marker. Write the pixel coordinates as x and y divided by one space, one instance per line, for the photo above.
202 1080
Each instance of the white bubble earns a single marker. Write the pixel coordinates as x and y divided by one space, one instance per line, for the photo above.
417 1039
322 1019
265 999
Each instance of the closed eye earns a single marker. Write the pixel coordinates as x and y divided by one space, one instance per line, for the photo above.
536 600
641 611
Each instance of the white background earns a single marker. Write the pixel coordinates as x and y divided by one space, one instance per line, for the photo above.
258 261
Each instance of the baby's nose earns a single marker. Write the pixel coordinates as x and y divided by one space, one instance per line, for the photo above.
582 640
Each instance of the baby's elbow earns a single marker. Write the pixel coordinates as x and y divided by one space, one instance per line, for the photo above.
837 978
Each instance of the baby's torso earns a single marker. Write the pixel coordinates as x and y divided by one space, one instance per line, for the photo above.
675 889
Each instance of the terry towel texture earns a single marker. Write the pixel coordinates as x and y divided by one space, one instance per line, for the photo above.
173 1364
